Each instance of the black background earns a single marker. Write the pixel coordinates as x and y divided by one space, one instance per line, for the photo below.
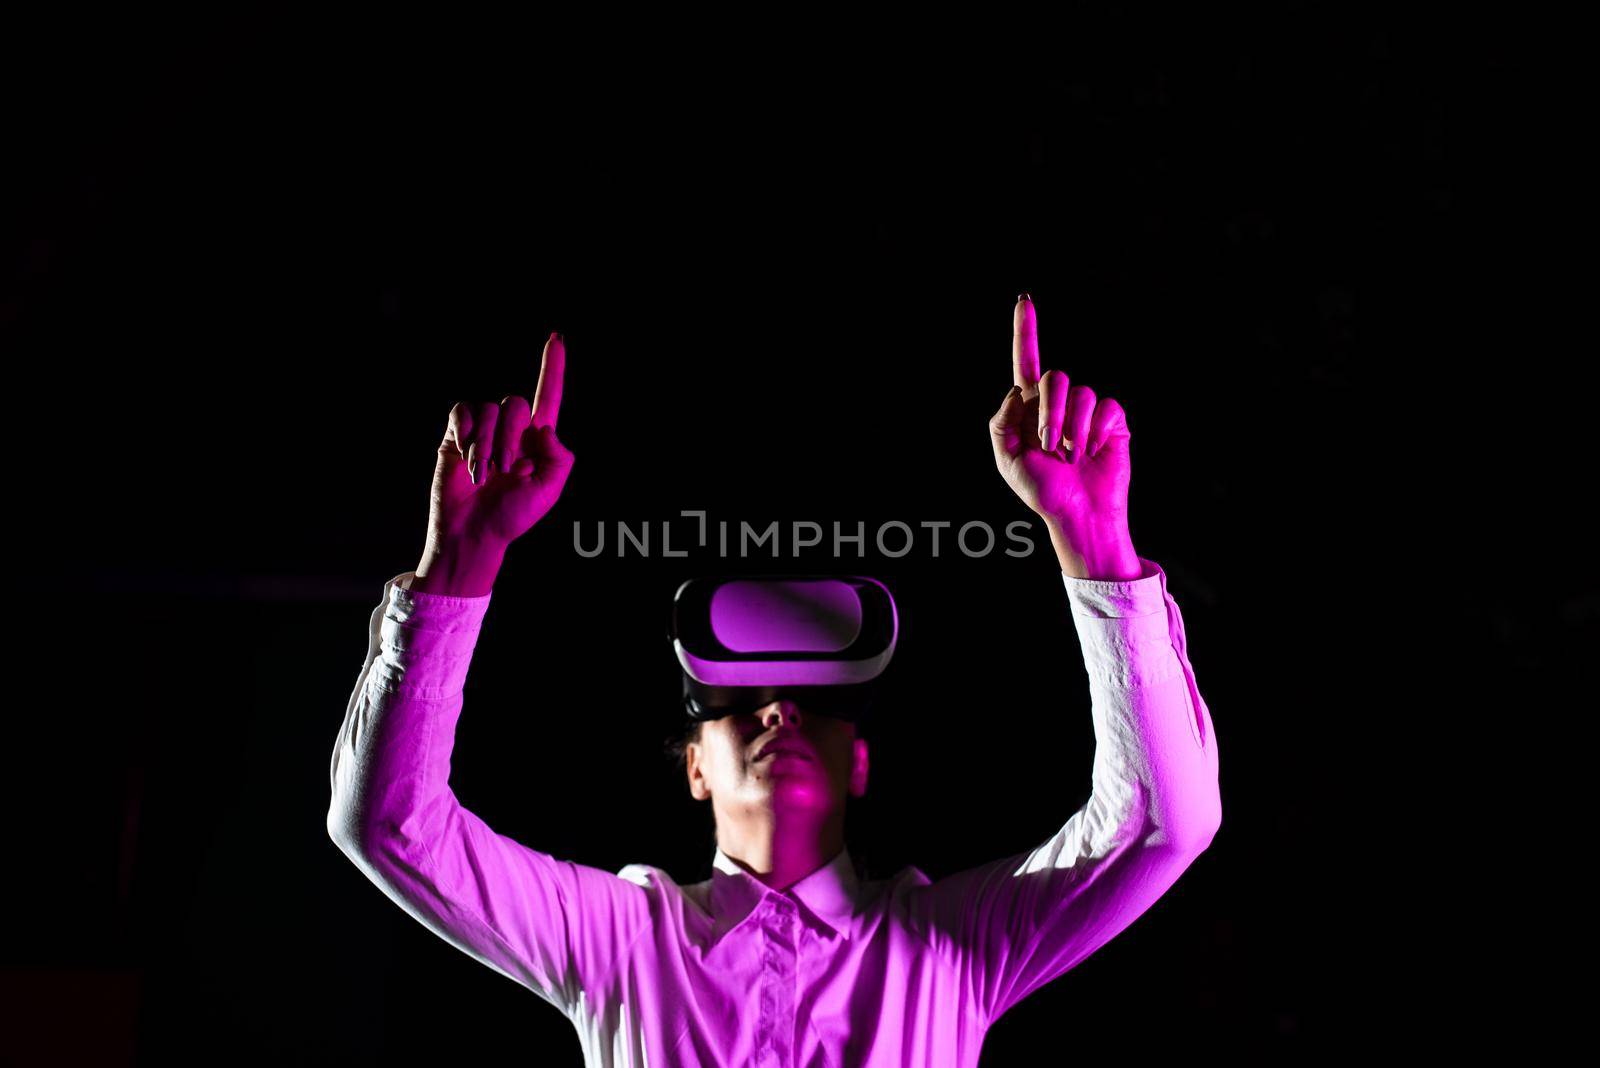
252 264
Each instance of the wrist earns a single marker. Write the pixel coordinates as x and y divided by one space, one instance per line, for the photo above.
459 567
1100 551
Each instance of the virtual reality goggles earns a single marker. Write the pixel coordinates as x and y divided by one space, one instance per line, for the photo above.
744 642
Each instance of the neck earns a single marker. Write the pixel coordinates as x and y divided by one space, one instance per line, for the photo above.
780 854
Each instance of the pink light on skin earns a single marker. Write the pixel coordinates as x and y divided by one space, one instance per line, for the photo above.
501 469
777 813
1063 450
627 956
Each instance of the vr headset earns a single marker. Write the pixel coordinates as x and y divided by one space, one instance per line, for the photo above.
744 642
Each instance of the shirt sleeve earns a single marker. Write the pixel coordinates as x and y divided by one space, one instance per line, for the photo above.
1014 924
554 926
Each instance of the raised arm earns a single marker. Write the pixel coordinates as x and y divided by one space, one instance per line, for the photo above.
554 926
1016 923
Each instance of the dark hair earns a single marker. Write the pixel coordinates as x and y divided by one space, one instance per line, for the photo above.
676 745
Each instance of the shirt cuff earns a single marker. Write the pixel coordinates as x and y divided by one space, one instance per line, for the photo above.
428 638
1124 627
1104 598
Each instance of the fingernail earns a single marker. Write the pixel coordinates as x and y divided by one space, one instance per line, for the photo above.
1024 295
556 334
472 471
1046 436
1072 456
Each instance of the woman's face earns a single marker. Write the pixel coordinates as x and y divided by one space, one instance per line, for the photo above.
778 757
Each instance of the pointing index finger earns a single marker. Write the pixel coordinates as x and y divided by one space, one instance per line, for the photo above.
1025 347
552 369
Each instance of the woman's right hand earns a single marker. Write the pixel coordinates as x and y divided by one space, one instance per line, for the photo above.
501 466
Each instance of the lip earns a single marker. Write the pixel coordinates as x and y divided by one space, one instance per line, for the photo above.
774 749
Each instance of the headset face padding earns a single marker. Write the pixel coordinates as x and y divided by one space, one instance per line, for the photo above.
853 703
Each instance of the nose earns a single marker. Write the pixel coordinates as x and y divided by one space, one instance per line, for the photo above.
780 711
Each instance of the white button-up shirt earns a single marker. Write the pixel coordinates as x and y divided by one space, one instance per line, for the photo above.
830 971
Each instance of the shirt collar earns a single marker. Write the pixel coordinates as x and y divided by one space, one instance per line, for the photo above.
829 894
